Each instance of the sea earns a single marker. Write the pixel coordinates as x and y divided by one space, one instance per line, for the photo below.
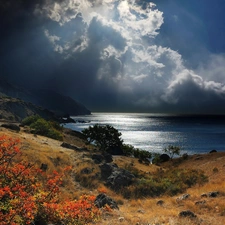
154 132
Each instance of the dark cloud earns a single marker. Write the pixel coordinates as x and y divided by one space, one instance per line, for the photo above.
112 55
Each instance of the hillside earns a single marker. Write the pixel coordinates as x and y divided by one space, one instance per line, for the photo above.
15 110
59 104
149 210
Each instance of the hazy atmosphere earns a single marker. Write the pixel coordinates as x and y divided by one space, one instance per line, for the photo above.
134 56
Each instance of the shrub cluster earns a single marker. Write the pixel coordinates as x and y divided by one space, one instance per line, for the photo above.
29 195
169 182
130 150
40 126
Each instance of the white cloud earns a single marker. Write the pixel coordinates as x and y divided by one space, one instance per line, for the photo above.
123 33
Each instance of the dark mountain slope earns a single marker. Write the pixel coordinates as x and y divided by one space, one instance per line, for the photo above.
15 110
51 100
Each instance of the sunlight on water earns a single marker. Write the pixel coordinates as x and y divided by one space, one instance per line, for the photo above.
154 132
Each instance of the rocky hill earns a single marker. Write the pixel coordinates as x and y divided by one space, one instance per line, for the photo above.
15 110
49 99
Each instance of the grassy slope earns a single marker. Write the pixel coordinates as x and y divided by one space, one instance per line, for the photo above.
39 150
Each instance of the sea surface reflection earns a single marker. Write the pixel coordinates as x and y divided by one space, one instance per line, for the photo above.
153 132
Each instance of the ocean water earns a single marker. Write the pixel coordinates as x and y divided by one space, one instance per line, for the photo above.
154 132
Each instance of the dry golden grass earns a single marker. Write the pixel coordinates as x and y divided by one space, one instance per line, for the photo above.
38 150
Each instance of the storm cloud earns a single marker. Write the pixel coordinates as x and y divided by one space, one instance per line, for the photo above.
107 55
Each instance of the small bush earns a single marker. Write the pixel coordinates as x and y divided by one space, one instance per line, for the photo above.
40 126
130 150
29 120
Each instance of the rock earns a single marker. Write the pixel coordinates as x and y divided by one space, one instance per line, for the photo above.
200 202
121 219
141 211
11 126
98 158
160 202
120 178
73 147
213 151
183 197
102 199
187 213
204 195
67 145
67 120
164 158
213 194
107 169
44 167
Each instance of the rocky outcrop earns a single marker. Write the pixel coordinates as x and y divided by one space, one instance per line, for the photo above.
107 169
102 200
72 147
212 194
114 176
120 178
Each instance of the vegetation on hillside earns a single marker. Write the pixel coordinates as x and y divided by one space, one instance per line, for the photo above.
28 195
43 127
164 182
151 184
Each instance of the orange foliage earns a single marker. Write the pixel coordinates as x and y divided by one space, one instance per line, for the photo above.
28 194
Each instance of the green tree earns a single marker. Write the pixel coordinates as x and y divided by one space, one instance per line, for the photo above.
172 150
104 136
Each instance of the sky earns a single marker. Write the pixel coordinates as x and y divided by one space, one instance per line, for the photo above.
165 56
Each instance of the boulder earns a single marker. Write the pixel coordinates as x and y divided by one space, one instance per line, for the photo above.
183 197
200 202
120 178
102 200
213 194
11 126
107 169
187 213
160 202
72 147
